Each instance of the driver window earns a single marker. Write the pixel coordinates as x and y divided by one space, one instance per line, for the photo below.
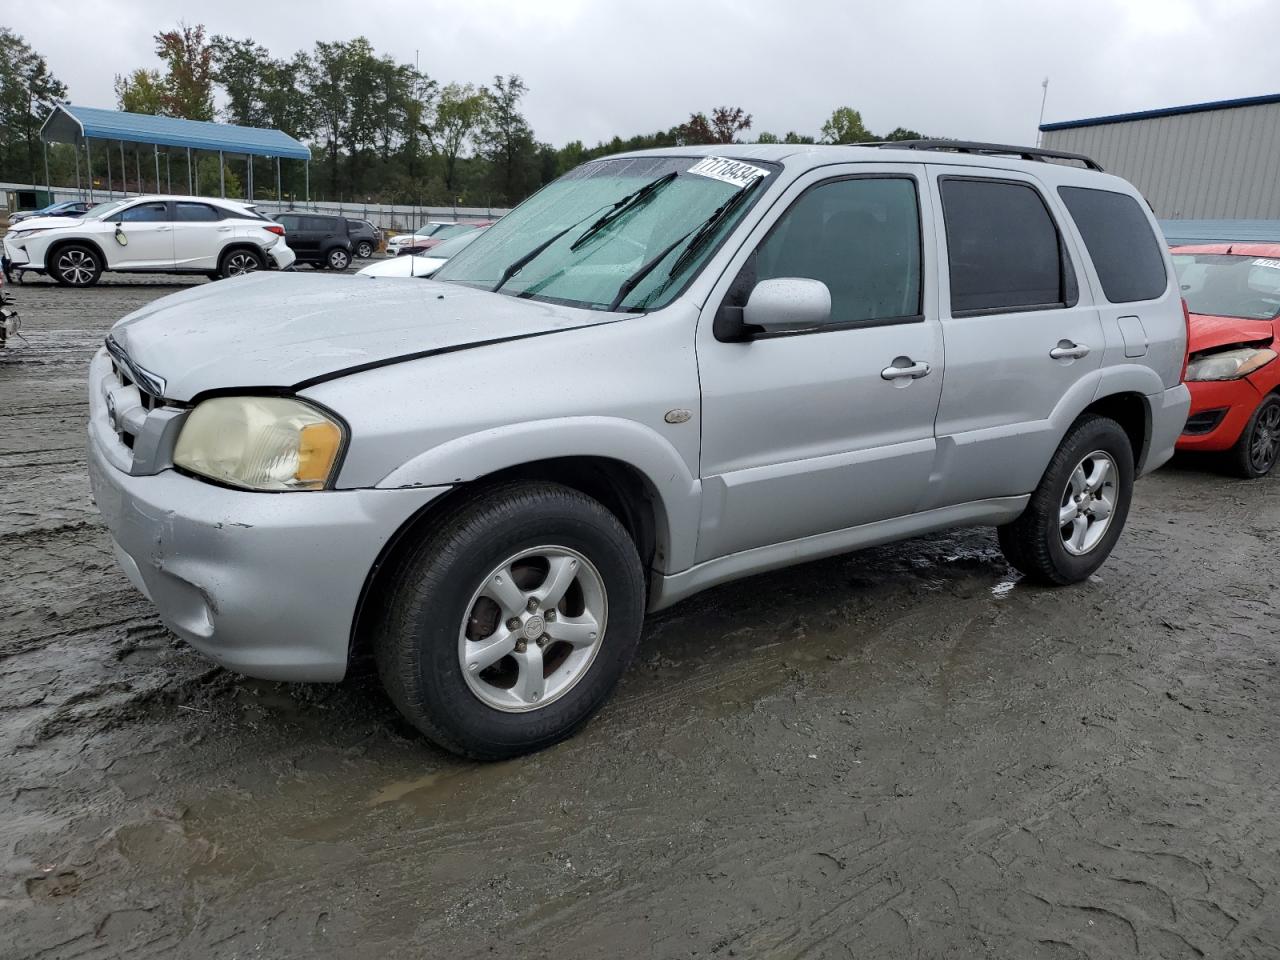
861 237
146 213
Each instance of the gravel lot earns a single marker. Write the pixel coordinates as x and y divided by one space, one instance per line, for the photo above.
901 753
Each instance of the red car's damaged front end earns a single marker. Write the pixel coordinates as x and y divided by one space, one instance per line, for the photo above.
1233 293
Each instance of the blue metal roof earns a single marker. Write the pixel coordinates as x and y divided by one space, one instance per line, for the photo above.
68 122
1220 231
1164 112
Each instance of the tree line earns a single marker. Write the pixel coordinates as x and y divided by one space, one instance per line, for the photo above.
379 130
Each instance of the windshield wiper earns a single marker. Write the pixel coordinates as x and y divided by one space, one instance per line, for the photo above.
516 265
699 234
630 201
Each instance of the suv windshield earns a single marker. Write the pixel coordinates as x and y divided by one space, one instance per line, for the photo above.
595 244
103 210
1229 285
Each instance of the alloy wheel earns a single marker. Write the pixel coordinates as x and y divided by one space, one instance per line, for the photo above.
241 262
1084 514
1265 442
533 628
338 259
77 267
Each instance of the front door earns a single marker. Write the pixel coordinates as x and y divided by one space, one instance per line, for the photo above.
829 428
1020 328
143 238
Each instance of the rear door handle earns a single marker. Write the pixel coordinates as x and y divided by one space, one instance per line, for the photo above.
904 367
1069 350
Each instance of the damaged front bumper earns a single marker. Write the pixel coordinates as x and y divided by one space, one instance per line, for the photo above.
266 584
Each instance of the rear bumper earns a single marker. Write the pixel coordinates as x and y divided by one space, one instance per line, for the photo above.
282 256
264 584
1239 398
1168 417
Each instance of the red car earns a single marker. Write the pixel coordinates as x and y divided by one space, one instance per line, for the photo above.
444 233
1233 293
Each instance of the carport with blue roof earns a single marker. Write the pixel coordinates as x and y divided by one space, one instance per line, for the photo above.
68 123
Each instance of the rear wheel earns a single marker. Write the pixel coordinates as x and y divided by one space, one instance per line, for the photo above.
1075 515
364 250
338 259
507 627
236 263
77 265
1256 451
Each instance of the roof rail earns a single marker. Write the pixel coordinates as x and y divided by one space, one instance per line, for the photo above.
989 149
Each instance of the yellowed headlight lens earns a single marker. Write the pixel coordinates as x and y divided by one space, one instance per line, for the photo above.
260 443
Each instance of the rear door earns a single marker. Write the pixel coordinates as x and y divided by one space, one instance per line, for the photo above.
1020 330
143 238
832 427
199 234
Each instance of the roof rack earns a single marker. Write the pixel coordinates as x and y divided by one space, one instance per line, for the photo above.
989 149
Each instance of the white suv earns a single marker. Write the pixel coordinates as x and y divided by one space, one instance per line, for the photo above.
156 234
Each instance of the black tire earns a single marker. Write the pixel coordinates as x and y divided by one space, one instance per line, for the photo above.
1035 543
239 261
428 601
1258 448
337 259
364 250
76 265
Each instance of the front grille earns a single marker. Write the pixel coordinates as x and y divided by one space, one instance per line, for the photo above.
1206 421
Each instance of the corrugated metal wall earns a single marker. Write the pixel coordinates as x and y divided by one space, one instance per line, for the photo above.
1217 164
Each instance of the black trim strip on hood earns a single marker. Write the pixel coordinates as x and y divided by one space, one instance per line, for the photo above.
438 351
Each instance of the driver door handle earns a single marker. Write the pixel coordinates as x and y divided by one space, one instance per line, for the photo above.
1069 350
904 367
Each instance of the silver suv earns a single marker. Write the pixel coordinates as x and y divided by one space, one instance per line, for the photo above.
664 371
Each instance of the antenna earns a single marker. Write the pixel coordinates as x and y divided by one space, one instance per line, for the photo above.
1043 98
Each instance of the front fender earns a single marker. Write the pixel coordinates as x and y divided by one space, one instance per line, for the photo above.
676 490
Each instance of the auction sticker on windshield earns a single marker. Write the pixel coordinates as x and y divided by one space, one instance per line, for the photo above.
727 171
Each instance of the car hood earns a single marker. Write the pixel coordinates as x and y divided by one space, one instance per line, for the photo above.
272 330
38 223
1209 331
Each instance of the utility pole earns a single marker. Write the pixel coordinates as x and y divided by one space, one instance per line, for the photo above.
1043 97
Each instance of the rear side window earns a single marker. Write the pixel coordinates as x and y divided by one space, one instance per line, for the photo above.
320 224
1004 249
1118 235
288 221
196 213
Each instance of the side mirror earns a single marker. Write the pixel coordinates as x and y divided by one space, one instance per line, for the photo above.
787 304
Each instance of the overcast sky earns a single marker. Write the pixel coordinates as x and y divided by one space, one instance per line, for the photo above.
970 69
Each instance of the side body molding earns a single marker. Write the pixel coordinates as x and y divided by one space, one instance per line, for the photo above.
675 490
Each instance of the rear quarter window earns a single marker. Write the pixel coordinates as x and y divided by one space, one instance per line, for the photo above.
1125 251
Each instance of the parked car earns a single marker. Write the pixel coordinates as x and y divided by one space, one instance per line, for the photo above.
424 231
150 234
668 370
365 237
420 245
425 265
1233 293
65 208
319 239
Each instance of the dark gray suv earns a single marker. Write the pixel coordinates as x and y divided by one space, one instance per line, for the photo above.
323 241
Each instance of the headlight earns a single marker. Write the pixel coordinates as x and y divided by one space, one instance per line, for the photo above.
1229 364
260 443
23 234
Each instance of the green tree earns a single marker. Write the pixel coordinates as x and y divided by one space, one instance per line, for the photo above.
326 87
459 114
505 138
28 92
767 137
902 133
141 92
845 126
723 126
188 82
793 137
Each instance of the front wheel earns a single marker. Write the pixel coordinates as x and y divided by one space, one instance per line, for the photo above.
365 250
1256 451
77 265
511 621
1075 515
239 262
338 259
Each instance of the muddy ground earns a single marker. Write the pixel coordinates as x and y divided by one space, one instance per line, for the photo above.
902 753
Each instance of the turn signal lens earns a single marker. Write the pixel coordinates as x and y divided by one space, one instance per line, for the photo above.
260 443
